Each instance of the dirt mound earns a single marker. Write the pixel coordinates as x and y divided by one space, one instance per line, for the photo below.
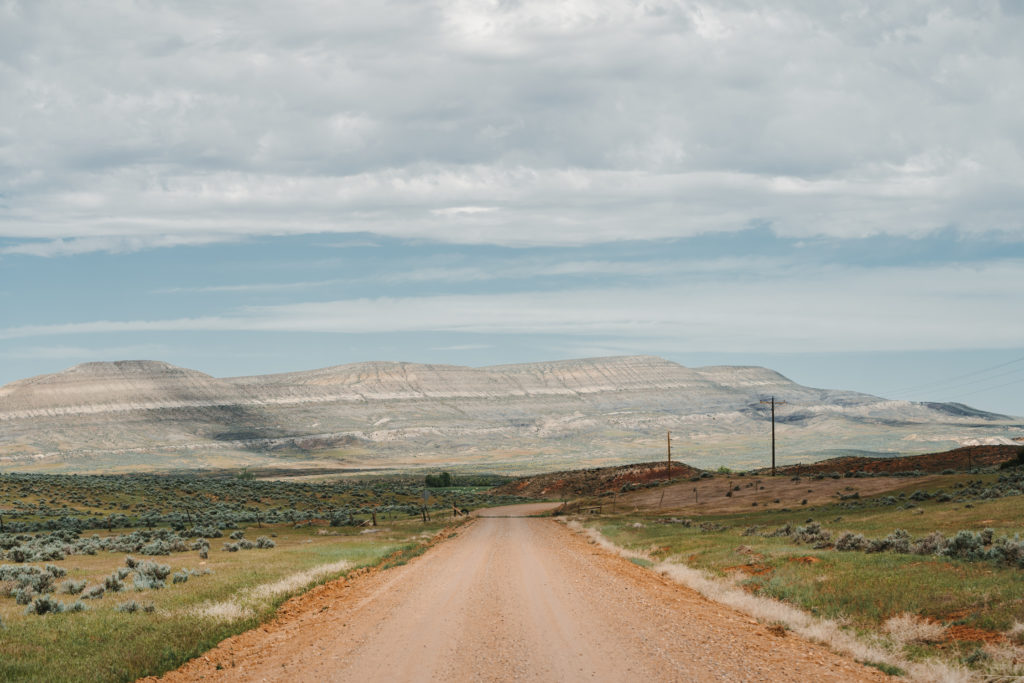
956 459
592 481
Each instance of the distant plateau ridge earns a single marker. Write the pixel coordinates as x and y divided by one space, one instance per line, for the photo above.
150 415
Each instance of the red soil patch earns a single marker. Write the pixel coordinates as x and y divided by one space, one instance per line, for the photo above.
555 486
955 614
977 635
956 459
806 559
751 569
593 481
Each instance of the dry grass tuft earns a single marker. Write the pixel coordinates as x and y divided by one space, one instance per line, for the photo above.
596 537
222 611
906 629
294 582
237 607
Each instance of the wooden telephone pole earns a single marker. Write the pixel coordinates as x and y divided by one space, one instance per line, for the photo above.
668 443
772 402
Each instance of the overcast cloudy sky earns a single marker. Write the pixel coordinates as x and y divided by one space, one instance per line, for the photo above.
833 190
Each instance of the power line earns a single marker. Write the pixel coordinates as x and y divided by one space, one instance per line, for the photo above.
939 383
979 381
998 386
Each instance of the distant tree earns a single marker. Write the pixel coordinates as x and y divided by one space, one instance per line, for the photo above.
439 480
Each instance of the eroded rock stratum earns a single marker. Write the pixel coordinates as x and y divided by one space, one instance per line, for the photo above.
596 411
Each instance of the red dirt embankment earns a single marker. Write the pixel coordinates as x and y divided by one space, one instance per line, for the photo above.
956 459
592 481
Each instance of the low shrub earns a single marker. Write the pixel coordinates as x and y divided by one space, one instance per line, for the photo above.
932 544
95 593
965 545
153 570
851 541
144 583
113 583
44 604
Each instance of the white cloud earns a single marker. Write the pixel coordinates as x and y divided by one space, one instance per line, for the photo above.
251 287
128 127
462 347
845 309
521 269
86 353
113 244
462 210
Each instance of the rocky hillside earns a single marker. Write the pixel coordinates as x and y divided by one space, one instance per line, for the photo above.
590 411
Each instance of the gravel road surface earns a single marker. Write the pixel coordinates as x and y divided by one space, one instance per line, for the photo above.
512 598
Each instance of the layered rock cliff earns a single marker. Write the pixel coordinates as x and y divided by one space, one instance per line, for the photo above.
599 409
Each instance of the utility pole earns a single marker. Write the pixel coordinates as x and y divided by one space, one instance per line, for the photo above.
668 443
772 402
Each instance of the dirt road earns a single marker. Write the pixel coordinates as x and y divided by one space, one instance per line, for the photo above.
516 599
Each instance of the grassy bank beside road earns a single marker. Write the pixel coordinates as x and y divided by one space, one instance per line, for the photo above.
874 563
225 594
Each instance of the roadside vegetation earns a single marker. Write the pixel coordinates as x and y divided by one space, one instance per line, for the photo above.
927 570
49 502
109 578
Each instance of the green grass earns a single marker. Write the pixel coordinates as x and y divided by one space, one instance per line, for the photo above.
105 645
36 498
886 668
642 562
864 588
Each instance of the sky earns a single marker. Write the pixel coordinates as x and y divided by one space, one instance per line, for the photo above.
833 191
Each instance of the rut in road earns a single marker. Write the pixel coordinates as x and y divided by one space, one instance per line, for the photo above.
518 598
